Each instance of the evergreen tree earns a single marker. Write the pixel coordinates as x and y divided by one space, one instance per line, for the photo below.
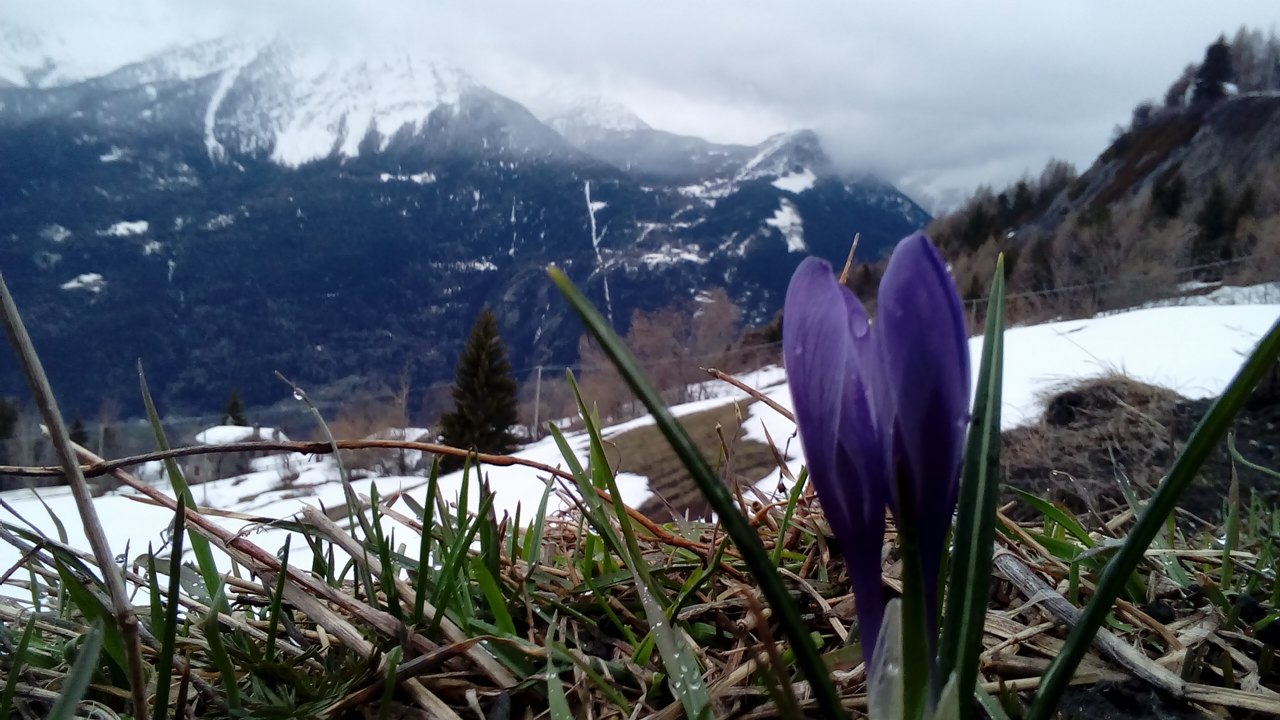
78 434
8 425
234 414
1210 244
484 396
1214 72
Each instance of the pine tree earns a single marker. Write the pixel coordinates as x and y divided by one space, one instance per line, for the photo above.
1213 74
1211 243
484 396
8 425
78 434
234 414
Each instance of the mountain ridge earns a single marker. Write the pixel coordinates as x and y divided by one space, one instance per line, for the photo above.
219 252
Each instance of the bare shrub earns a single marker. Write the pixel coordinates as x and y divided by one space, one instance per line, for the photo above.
380 414
600 383
1260 239
553 399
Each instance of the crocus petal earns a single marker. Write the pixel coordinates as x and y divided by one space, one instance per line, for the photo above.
923 340
826 346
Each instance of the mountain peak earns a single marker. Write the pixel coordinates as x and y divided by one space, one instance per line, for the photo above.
788 153
586 117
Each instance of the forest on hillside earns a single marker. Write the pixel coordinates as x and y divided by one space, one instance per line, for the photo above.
1187 192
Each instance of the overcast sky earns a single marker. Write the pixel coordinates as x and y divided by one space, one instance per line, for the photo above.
938 96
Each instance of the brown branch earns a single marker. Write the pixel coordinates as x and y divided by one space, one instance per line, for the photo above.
744 388
848 264
319 447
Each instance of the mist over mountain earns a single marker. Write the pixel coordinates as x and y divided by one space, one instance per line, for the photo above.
237 206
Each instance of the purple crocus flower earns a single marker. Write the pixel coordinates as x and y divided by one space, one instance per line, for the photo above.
882 410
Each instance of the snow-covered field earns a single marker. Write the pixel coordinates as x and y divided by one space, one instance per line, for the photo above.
1194 349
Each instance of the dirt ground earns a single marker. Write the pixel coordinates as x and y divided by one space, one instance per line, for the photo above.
718 432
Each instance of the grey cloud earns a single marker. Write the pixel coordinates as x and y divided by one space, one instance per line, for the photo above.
940 96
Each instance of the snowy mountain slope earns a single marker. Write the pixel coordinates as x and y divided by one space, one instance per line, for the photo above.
582 117
375 200
1152 345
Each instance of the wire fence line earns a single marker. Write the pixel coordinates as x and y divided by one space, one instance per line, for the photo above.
1152 283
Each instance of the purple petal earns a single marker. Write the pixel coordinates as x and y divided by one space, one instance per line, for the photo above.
826 345
923 340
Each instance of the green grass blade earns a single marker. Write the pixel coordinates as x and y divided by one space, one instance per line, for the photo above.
277 599
718 497
164 663
1226 576
1242 460
218 653
91 607
199 544
1057 515
57 521
389 689
991 705
533 537
593 512
81 675
604 684
557 701
382 544
453 568
153 590
970 573
15 669
493 596
1201 443
684 673
793 499
427 514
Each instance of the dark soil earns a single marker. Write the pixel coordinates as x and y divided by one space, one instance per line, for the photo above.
1132 700
718 432
1096 436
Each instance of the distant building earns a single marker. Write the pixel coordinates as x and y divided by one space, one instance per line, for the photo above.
215 466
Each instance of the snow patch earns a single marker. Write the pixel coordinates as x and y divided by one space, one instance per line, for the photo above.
226 81
223 434
330 104
217 222
92 282
126 228
668 255
422 178
55 233
596 237
796 182
787 220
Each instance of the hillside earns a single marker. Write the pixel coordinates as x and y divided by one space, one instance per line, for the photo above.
1188 192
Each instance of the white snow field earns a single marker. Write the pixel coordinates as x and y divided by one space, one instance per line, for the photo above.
1195 350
